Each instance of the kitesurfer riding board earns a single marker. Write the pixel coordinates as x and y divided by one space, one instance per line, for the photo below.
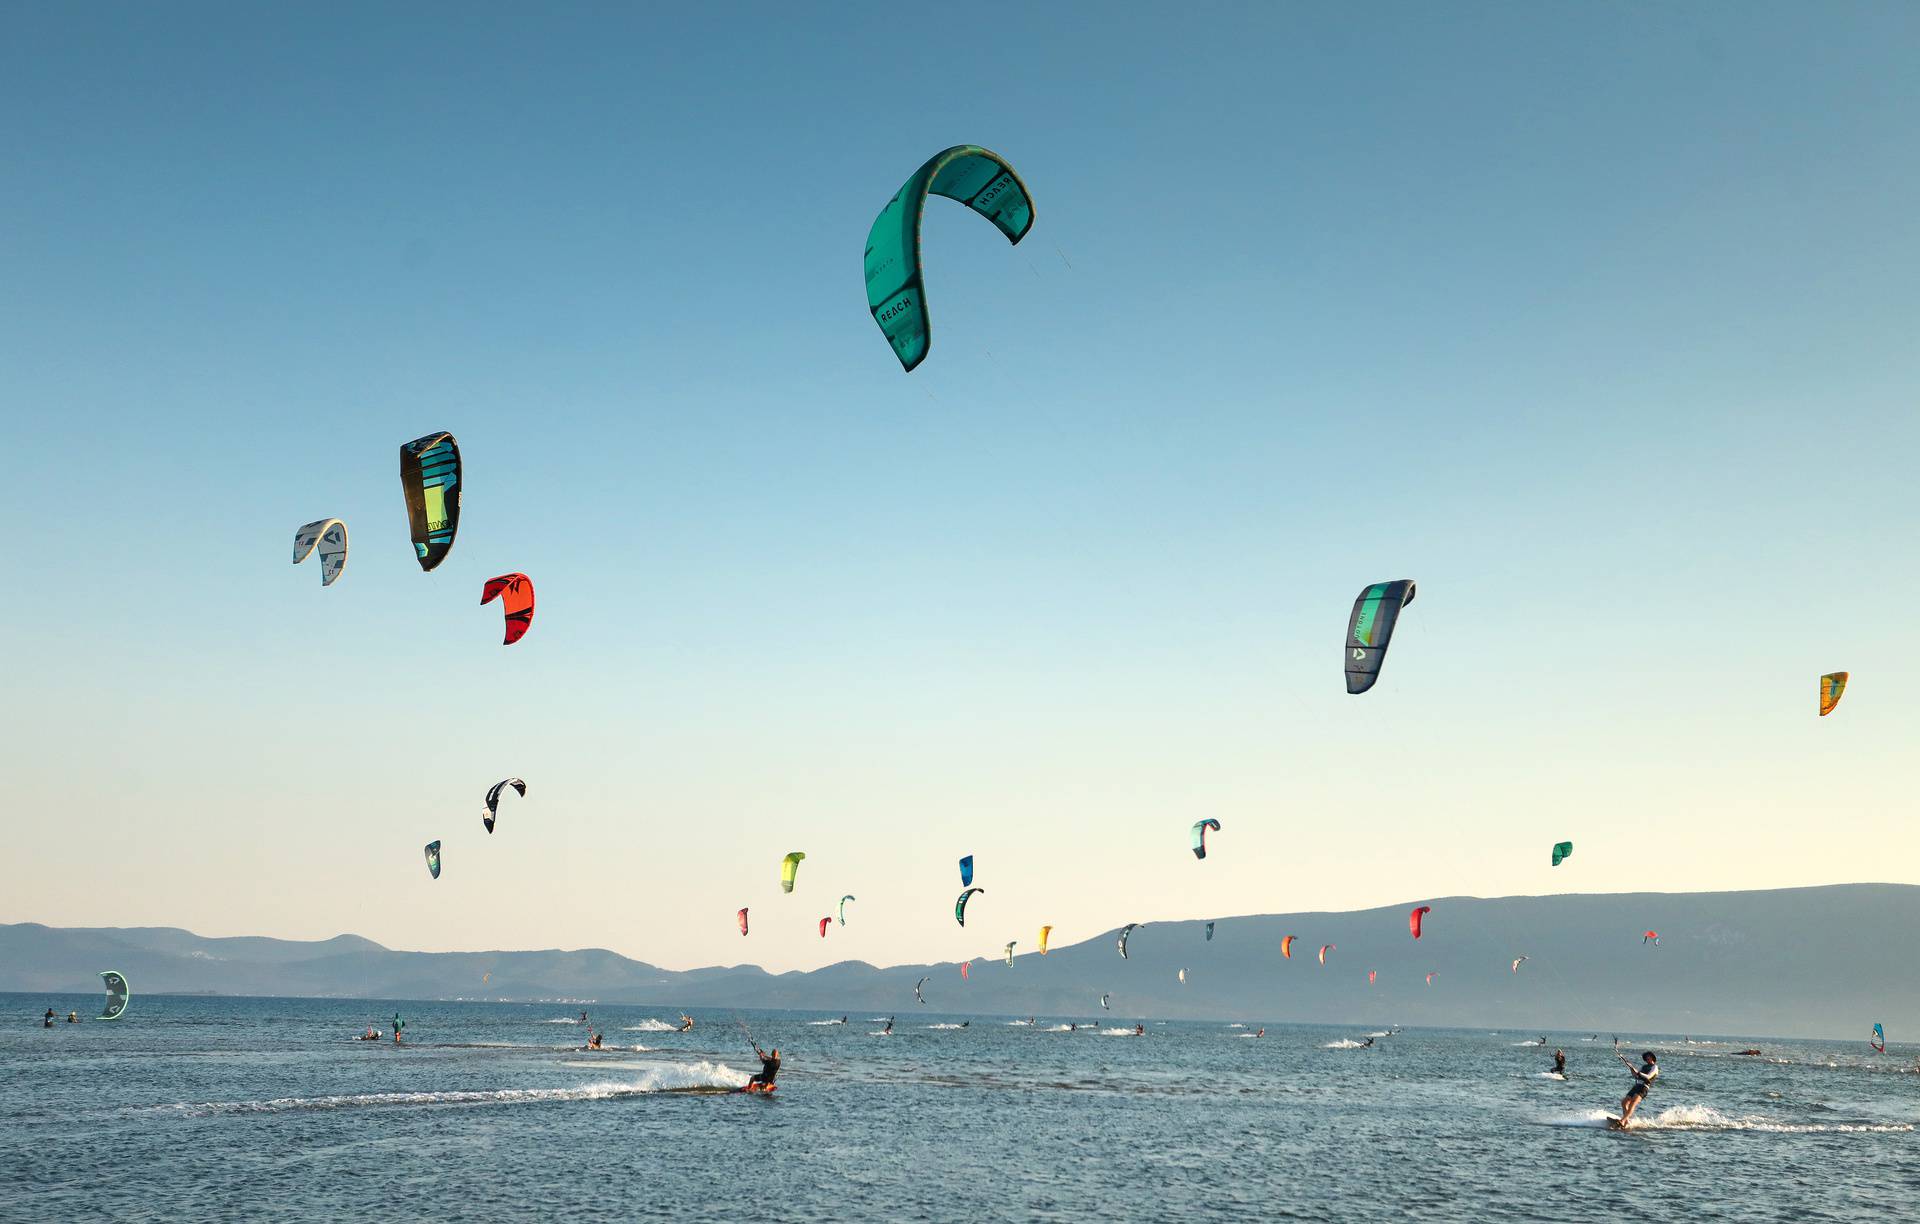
1643 1077
769 1069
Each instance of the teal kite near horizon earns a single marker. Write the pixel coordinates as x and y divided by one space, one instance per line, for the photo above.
960 906
119 994
1199 832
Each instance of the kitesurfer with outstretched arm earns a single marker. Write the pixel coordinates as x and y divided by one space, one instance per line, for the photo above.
1643 1077
769 1067
1560 1063
686 1022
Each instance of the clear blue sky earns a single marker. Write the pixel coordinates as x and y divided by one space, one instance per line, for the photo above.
1598 321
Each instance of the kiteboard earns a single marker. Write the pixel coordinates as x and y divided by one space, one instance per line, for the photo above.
758 1089
1614 1123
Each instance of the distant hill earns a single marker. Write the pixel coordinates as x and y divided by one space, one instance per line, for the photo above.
1825 961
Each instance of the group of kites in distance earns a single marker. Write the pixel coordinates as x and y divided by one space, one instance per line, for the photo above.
433 483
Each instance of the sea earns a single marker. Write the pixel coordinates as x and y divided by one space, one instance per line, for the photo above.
240 1108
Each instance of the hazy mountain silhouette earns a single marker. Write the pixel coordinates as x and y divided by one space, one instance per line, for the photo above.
1823 961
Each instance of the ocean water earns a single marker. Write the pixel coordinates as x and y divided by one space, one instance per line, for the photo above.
214 1109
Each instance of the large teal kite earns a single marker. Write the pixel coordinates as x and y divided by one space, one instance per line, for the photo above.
978 178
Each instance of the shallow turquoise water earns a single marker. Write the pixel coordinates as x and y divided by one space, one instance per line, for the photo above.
233 1108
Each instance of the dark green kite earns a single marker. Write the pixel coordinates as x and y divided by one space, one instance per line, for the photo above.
430 477
1370 629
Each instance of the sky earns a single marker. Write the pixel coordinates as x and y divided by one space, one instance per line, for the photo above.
1596 321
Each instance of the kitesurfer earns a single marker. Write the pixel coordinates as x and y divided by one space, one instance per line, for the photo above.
593 1041
583 1017
686 1022
1367 1044
1643 1077
1139 1030
73 1017
48 1022
889 1027
1261 1033
769 1066
1560 1063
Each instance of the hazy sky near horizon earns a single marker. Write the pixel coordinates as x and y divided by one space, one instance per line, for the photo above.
1597 321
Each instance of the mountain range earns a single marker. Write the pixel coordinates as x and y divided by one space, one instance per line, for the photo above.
1821 961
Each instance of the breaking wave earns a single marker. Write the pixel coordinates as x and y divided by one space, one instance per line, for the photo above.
1707 1118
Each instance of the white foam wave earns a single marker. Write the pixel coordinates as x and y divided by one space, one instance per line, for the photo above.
561 1020
651 1026
943 1026
653 1079
1552 1075
1118 1032
1707 1118
1342 1044
817 1023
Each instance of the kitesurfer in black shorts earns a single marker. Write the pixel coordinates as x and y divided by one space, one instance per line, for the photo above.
1643 1077
769 1066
